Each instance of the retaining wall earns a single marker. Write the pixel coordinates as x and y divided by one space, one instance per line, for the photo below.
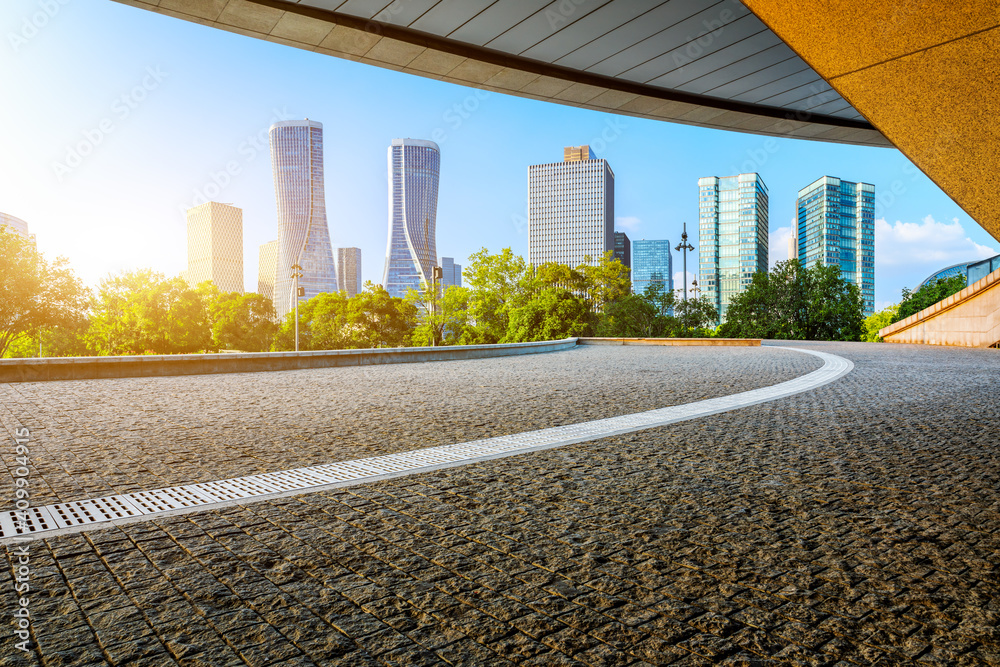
83 368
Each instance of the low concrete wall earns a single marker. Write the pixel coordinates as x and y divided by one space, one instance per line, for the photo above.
721 342
84 368
970 318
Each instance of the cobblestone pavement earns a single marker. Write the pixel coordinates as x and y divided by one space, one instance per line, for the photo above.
95 438
856 524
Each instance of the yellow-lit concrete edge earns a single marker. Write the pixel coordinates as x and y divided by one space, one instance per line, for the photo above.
970 318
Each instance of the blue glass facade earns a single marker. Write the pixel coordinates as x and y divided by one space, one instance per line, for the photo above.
303 236
652 262
836 225
411 253
732 235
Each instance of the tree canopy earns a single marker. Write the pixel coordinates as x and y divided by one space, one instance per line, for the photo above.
35 294
928 295
795 303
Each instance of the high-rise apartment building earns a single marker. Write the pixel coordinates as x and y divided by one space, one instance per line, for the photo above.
836 225
411 252
623 249
652 263
349 270
303 236
451 272
16 225
733 235
571 209
215 246
267 268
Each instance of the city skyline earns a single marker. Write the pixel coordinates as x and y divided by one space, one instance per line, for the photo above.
222 150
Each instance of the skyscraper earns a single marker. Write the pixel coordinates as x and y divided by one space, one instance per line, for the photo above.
349 270
623 249
836 225
303 237
16 225
411 252
571 209
267 266
215 246
451 272
732 235
652 263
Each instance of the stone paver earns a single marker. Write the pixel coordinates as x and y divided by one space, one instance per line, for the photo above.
94 438
853 525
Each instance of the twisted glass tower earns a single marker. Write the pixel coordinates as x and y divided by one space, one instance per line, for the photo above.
303 237
411 253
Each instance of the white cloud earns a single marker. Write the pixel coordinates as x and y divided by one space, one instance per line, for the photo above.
627 223
929 244
777 245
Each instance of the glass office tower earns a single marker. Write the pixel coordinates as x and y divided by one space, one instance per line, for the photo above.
411 252
732 235
16 225
571 209
303 236
267 269
836 225
652 262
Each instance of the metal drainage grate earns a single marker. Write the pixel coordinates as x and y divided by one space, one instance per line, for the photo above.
82 514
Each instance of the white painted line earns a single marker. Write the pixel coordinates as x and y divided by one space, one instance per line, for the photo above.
76 516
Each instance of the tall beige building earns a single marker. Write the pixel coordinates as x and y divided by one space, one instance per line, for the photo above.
215 246
267 269
571 209
17 226
349 270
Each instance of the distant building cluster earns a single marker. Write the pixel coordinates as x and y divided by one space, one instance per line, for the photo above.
303 256
571 212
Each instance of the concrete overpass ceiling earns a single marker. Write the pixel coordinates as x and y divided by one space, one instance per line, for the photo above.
710 63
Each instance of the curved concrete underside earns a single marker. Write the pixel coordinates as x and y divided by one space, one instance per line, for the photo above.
920 78
698 62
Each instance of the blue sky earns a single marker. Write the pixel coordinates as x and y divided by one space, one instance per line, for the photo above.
116 119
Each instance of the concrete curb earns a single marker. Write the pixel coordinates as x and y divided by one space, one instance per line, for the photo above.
89 368
719 342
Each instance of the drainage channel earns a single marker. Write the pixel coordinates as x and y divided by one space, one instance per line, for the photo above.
95 513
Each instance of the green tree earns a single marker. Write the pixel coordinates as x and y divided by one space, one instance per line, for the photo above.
694 317
878 321
928 295
141 311
243 322
793 303
553 313
331 321
496 287
606 282
443 319
35 294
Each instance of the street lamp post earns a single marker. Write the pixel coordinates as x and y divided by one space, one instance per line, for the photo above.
296 274
684 246
437 275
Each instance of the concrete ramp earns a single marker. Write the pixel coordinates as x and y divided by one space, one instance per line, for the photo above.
970 318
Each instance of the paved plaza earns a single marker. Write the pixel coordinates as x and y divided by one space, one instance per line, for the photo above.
853 524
